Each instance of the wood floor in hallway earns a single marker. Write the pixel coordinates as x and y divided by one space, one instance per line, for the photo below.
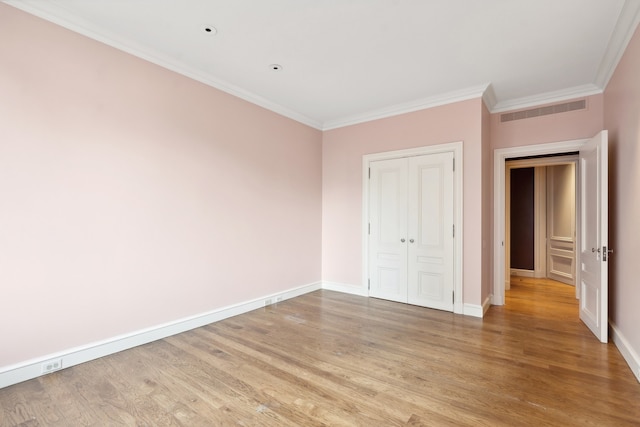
332 359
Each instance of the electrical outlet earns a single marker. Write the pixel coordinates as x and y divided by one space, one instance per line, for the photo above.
52 365
268 302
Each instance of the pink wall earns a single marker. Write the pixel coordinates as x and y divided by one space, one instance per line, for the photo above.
133 196
567 126
342 184
622 119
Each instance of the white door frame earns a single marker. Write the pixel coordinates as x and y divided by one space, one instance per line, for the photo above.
456 148
499 166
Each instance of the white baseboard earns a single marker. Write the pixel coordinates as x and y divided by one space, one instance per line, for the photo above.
467 310
486 304
346 288
629 354
475 310
27 370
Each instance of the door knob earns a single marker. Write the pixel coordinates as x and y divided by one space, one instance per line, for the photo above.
411 240
402 240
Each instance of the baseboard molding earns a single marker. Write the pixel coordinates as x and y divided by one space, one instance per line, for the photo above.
486 304
522 273
475 310
27 370
628 353
346 288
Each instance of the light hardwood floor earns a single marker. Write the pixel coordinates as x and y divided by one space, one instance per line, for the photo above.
340 360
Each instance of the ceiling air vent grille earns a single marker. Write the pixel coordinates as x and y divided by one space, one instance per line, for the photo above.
543 111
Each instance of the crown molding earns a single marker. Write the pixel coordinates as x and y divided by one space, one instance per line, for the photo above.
547 98
620 38
56 14
489 97
408 107
628 21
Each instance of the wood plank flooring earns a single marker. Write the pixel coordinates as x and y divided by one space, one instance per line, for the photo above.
331 359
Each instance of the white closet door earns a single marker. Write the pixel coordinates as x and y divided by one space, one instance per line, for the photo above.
430 231
388 228
411 242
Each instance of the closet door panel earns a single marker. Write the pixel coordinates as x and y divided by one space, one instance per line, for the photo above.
430 231
388 230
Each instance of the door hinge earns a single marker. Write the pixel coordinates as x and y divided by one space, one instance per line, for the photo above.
453 297
454 230
369 173
369 229
369 284
454 164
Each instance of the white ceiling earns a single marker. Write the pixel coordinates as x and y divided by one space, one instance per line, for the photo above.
348 61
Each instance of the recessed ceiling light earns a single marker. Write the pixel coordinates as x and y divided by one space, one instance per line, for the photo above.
209 30
276 67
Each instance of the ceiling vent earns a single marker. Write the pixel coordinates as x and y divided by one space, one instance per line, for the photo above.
544 111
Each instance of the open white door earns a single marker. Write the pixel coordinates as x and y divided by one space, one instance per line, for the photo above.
594 244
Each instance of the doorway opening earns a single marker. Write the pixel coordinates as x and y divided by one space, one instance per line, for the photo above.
592 225
502 270
541 218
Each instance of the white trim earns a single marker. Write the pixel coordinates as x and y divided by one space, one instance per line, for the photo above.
620 38
486 304
457 148
623 31
628 353
408 107
32 368
499 167
475 310
346 288
489 97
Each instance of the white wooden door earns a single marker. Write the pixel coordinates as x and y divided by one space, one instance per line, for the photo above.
411 243
430 232
388 229
593 172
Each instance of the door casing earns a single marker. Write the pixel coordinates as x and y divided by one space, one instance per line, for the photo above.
456 148
499 238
